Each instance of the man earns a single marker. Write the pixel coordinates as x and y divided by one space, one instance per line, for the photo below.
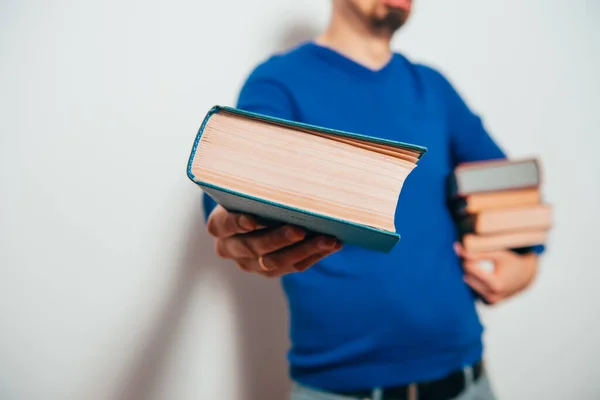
364 324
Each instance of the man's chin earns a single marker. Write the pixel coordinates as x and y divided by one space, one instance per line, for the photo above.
394 20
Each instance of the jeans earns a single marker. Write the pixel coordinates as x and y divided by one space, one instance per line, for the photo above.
480 390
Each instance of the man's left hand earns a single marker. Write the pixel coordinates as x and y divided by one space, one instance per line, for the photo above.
511 273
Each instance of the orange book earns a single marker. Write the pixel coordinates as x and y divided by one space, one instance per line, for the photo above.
475 203
531 217
512 240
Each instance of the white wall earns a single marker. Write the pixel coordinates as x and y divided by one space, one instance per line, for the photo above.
108 287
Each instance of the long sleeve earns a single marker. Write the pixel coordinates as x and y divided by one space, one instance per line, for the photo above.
469 139
264 96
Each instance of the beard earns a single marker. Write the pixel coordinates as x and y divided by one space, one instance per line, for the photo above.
392 21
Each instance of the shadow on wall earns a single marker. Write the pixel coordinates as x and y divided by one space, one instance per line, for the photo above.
260 312
260 306
149 364
296 33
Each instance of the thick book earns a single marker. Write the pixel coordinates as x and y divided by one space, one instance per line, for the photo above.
478 202
502 220
522 241
494 175
327 181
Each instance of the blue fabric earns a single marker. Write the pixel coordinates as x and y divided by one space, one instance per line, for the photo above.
361 319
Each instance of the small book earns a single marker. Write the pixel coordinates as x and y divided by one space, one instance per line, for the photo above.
503 220
326 181
515 240
494 175
477 202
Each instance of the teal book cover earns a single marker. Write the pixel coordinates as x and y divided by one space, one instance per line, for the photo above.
270 212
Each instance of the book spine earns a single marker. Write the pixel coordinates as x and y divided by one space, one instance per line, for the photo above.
466 224
452 187
458 207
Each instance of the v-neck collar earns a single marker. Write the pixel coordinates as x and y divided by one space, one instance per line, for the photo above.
336 58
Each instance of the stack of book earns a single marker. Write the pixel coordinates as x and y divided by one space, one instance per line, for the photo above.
497 205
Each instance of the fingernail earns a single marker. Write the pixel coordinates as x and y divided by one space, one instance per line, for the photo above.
264 266
293 234
327 243
302 268
245 223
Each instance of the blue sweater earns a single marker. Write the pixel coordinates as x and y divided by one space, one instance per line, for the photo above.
361 319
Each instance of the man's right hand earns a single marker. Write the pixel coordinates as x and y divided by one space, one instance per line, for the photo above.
281 250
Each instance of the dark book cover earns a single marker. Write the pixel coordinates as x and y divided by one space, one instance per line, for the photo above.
493 175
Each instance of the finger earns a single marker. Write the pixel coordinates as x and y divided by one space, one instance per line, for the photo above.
315 258
260 242
484 291
222 223
289 257
473 268
249 264
489 278
253 265
459 249
461 252
302 265
477 285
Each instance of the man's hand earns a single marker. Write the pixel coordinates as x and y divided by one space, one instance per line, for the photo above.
283 249
511 274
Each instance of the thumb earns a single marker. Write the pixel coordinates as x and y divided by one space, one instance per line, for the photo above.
476 256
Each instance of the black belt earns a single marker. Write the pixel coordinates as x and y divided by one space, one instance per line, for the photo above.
441 389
